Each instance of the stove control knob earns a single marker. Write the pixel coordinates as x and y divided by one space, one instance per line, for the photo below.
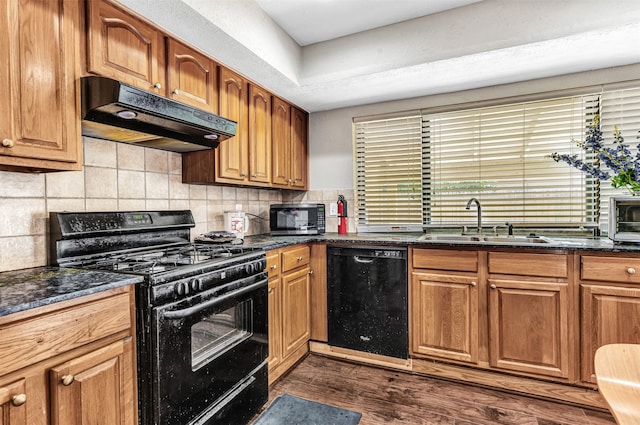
181 288
197 285
249 268
261 265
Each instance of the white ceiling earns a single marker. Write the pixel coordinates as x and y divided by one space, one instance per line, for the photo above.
313 21
396 49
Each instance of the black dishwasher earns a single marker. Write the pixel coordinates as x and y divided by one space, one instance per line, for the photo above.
367 299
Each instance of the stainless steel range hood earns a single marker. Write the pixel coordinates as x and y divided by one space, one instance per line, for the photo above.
116 111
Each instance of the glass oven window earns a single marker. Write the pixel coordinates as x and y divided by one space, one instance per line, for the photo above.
219 332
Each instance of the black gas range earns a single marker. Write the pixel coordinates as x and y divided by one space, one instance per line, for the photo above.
201 312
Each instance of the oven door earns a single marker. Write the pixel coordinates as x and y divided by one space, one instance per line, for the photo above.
205 346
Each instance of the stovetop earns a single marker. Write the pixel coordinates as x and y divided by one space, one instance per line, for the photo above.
160 260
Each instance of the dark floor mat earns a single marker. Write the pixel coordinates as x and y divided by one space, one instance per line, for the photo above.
291 410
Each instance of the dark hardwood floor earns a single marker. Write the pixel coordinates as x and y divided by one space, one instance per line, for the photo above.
391 397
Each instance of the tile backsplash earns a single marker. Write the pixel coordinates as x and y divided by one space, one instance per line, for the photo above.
118 176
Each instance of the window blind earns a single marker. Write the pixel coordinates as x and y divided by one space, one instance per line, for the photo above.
500 156
422 168
619 108
389 173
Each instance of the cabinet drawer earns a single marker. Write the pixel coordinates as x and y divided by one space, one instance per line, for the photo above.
28 341
444 259
273 263
611 269
295 257
543 265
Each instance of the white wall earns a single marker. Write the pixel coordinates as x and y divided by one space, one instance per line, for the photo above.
330 132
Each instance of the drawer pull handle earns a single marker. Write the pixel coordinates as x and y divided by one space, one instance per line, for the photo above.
299 258
19 399
493 286
67 380
631 270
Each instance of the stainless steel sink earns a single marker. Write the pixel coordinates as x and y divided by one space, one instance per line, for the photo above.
485 238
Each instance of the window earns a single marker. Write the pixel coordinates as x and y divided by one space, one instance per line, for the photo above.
422 168
389 173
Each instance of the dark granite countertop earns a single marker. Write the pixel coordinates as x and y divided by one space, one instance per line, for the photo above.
30 288
405 239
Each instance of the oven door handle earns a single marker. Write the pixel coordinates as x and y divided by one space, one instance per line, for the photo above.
186 312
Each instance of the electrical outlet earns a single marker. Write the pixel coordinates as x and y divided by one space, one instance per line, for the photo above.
333 210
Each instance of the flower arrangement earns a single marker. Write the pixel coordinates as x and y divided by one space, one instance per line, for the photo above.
621 162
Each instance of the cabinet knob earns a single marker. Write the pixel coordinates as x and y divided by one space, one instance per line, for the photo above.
67 380
271 290
243 175
254 175
274 267
157 86
473 283
493 286
7 143
310 271
19 399
631 270
299 258
176 92
288 180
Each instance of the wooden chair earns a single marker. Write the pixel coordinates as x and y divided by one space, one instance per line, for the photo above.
618 373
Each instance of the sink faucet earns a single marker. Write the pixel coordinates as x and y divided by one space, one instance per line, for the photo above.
472 200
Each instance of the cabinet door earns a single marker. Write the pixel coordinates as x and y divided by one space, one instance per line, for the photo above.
40 53
275 323
13 403
281 142
445 316
609 315
231 154
192 77
528 326
259 135
96 388
296 317
124 48
299 167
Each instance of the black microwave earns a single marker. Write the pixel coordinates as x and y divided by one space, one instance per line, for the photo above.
297 219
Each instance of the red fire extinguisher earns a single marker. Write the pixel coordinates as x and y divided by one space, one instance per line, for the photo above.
342 215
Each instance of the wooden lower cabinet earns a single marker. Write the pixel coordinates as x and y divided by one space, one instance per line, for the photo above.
529 326
13 403
507 311
609 305
289 307
445 315
70 363
94 388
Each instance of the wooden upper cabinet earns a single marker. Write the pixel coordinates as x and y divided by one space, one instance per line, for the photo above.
259 135
232 154
299 154
192 77
289 142
40 52
124 48
281 141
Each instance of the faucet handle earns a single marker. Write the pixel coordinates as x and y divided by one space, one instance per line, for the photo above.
510 228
